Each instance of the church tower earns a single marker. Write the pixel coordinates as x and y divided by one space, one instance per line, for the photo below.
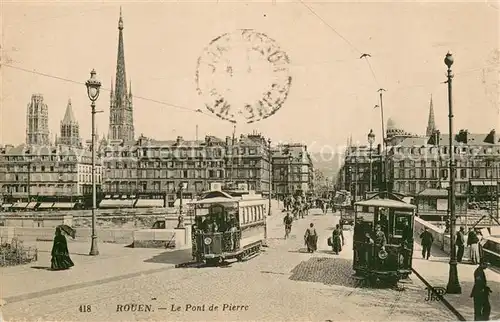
37 121
70 130
431 123
121 119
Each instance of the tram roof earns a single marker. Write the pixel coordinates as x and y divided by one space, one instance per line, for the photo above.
386 199
216 196
385 203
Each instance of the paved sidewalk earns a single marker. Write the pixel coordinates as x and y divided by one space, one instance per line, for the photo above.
436 270
115 262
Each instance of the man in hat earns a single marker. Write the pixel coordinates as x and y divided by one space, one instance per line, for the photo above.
481 293
427 240
460 242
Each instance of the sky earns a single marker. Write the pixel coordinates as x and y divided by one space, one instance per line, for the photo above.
333 91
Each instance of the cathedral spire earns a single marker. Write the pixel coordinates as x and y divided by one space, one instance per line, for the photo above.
121 119
431 123
121 76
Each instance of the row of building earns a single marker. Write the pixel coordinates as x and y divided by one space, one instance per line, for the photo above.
419 166
153 168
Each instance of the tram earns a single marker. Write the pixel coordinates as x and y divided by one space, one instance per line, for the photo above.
228 227
383 238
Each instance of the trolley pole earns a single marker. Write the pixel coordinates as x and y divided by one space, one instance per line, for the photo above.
453 286
384 139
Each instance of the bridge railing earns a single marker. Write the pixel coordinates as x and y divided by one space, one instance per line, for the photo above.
442 241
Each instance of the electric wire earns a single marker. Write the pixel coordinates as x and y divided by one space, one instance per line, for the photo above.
108 90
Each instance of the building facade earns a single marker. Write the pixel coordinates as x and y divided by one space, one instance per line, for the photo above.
37 121
354 175
159 167
292 170
38 173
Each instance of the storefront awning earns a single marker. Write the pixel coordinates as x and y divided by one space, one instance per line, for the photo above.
31 205
116 203
20 205
150 203
45 205
477 183
64 205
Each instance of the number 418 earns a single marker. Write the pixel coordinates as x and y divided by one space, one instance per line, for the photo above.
85 308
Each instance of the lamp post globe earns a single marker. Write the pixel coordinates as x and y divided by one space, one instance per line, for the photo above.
93 88
448 60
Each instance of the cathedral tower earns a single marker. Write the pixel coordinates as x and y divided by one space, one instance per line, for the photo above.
70 130
37 121
431 123
121 119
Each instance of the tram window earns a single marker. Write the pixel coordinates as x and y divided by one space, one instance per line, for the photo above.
258 210
401 222
371 209
253 213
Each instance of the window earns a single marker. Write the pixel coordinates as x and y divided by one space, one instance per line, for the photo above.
463 173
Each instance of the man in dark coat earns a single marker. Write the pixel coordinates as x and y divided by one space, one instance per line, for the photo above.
460 244
480 293
427 240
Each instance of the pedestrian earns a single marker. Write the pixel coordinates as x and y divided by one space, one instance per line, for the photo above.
60 254
337 240
460 242
481 293
311 239
472 242
287 221
427 240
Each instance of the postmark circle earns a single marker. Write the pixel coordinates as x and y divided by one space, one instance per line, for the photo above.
243 76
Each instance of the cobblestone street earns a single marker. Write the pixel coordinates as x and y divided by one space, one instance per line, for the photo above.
283 283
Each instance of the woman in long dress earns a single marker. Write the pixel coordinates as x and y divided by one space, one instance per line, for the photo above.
337 240
60 254
472 241
311 239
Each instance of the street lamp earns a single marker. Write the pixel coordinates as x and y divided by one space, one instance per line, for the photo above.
93 86
453 286
289 174
371 140
270 175
180 219
269 191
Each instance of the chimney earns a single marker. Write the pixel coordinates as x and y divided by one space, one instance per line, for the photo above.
179 140
228 140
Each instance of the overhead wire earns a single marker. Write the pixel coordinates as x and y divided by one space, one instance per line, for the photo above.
107 89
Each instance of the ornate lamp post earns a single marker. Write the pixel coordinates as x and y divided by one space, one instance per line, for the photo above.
180 223
371 140
93 86
289 174
270 190
453 286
